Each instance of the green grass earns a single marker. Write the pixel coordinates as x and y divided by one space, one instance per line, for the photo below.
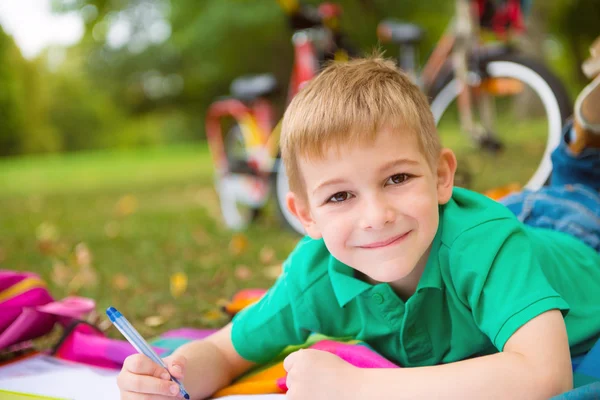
147 214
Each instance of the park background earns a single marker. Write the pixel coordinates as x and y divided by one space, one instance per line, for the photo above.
106 181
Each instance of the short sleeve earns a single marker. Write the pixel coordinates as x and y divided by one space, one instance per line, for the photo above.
261 331
498 276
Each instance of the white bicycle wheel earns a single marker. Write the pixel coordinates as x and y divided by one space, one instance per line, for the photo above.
282 187
531 138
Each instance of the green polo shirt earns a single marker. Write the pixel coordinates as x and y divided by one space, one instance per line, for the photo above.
486 276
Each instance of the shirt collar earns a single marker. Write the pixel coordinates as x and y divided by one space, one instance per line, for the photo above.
432 275
345 286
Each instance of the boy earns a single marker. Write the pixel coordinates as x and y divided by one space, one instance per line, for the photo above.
442 280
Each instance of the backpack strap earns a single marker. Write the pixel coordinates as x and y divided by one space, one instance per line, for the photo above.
21 287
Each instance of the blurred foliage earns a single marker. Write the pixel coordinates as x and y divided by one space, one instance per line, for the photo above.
146 70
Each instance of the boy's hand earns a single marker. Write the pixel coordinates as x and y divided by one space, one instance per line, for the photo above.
316 375
141 378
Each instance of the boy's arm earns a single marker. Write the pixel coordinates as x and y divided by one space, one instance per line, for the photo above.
535 363
211 364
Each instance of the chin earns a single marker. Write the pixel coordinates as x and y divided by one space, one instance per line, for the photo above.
390 276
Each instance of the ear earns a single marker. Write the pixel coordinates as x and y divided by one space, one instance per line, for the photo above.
445 175
299 207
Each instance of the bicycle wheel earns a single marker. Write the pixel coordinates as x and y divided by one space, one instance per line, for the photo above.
530 106
241 192
282 187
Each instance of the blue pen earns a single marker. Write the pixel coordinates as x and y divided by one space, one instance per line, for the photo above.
139 343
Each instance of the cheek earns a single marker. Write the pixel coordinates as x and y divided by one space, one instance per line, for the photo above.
422 206
336 227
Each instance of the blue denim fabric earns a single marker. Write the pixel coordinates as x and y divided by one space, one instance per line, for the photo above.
588 392
571 204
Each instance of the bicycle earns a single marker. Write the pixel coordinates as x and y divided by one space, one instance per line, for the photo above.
459 70
462 70
247 159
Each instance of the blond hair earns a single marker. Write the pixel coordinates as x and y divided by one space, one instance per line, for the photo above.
347 104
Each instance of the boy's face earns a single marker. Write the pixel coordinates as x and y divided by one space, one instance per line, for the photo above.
376 207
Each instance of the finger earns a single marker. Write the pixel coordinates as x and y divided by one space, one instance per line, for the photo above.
140 364
289 361
138 396
291 394
176 366
147 385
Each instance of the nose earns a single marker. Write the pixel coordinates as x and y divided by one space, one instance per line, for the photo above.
376 212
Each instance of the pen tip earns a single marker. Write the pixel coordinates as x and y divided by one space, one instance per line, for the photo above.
187 396
113 314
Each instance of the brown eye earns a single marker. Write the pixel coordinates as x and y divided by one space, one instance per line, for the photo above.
397 179
339 197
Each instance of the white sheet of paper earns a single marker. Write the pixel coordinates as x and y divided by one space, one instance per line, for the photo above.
47 376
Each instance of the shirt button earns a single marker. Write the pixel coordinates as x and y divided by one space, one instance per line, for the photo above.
378 298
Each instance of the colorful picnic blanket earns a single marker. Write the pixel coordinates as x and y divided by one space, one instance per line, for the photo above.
271 377
90 346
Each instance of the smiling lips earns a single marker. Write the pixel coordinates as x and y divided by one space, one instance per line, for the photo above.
385 243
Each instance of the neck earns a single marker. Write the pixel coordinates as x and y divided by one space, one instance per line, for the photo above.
407 286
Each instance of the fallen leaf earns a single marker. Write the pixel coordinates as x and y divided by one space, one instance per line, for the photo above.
46 247
238 244
46 232
273 271
85 277
126 205
46 235
267 255
242 272
111 229
179 283
120 281
167 310
154 321
222 302
211 316
61 274
83 256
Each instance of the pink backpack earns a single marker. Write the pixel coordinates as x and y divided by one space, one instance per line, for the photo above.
28 311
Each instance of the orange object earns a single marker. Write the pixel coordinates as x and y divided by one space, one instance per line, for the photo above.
502 191
262 382
243 299
501 86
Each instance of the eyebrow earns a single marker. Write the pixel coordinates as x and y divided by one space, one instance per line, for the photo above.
385 167
397 163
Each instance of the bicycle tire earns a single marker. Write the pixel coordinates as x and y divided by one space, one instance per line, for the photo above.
538 77
281 186
233 216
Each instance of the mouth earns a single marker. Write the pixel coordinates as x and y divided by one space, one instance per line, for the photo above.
391 241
